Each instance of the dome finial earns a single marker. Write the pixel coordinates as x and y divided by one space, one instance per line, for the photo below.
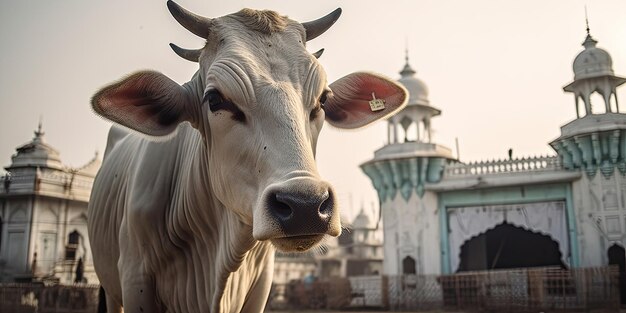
406 50
589 41
587 21
407 70
39 132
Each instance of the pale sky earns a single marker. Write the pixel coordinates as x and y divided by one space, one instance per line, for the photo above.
495 68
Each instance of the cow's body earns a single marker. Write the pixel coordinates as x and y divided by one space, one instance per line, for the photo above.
189 222
159 200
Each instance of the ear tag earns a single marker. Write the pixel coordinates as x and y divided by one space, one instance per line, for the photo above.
376 104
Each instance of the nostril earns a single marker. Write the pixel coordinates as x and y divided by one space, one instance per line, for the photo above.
282 210
326 208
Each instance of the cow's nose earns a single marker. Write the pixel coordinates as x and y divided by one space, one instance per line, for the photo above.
302 213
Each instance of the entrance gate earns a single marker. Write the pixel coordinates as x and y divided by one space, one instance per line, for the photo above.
508 246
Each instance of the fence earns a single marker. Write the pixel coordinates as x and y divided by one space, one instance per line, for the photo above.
27 298
521 290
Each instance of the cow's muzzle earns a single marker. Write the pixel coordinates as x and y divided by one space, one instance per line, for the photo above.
299 210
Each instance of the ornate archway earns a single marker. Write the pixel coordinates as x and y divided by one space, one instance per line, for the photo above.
509 246
543 218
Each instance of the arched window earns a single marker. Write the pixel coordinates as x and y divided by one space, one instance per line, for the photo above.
73 238
72 245
613 103
408 265
598 106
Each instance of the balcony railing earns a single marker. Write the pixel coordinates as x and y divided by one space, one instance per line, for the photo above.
494 167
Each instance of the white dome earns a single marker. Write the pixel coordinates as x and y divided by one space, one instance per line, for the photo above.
592 62
36 153
361 221
418 91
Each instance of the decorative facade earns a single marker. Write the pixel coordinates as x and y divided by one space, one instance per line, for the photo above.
441 215
43 221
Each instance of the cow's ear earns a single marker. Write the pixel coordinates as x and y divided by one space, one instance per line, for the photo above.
148 102
361 98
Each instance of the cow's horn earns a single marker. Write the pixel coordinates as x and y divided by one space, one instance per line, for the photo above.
189 55
319 26
194 23
318 54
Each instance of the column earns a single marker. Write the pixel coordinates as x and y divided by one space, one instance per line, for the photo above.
395 132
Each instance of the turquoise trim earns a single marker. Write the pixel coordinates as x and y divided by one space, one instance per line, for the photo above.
443 240
403 175
506 195
572 228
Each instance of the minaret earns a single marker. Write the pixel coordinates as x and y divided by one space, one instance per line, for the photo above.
593 72
401 172
594 140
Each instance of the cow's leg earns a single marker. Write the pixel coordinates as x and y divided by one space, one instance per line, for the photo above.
258 294
138 288
139 293
112 305
106 303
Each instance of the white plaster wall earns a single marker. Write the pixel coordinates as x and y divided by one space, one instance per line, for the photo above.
600 216
16 231
429 237
411 228
391 237
585 203
45 235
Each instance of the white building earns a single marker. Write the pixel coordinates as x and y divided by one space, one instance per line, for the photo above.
43 221
357 252
568 210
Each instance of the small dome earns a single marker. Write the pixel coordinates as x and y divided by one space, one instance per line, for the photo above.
361 221
91 168
36 153
592 62
418 91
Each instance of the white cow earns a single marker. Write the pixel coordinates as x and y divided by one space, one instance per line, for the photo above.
187 209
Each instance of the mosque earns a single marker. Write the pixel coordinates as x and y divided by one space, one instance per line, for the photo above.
443 216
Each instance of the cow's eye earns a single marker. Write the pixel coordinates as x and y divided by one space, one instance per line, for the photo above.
323 97
217 102
214 99
320 105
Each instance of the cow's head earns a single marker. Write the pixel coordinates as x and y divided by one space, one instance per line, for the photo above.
259 100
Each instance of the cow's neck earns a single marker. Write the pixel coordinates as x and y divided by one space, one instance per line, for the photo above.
232 261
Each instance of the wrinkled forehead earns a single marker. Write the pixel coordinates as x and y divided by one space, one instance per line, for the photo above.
262 45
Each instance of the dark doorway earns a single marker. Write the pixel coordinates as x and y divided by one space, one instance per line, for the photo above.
509 246
617 256
72 245
408 265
